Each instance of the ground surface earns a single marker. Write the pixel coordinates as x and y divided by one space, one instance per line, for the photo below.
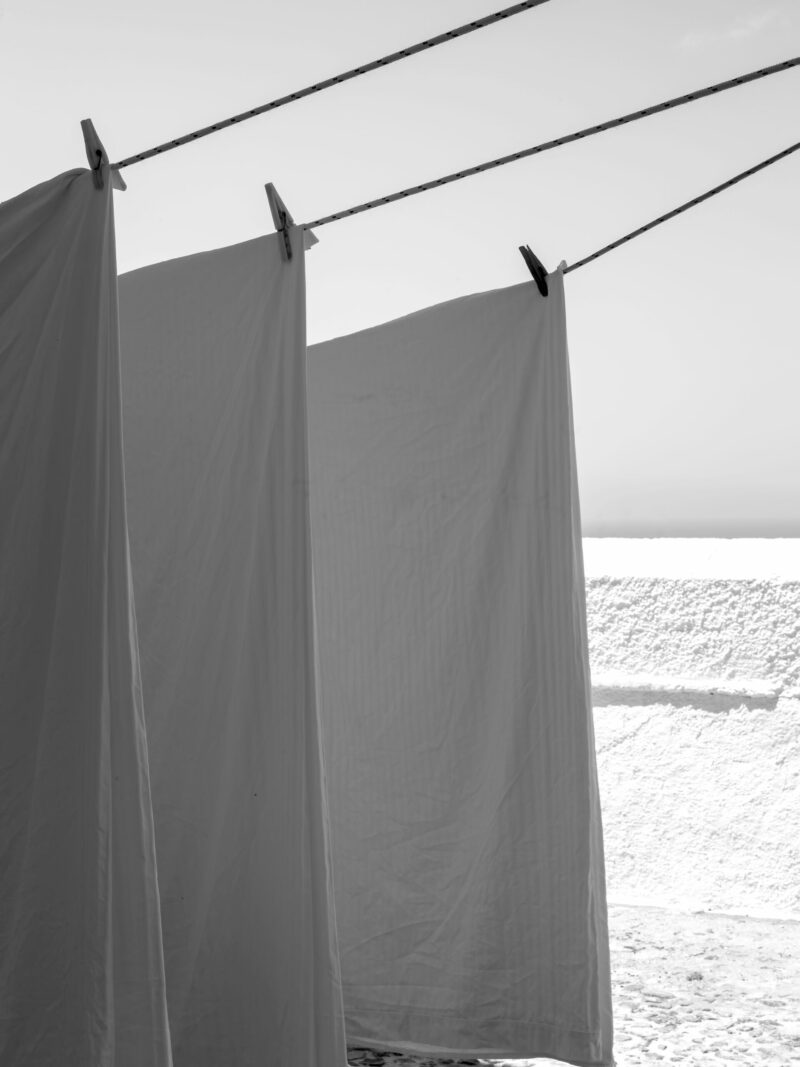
697 990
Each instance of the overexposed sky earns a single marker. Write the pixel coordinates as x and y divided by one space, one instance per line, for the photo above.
695 321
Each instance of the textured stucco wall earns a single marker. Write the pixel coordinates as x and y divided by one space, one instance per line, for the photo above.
695 653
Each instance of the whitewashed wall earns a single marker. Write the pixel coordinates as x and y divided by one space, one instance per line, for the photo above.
695 652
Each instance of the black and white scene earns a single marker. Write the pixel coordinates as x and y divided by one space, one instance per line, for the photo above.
399 533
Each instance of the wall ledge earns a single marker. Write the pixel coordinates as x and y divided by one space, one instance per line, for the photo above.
699 558
616 688
752 688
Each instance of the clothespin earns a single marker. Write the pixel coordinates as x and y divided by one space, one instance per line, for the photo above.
98 156
282 220
536 267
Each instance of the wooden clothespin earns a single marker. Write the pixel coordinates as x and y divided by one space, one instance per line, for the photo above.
536 267
98 157
282 220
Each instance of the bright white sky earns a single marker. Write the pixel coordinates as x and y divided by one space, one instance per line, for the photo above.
688 336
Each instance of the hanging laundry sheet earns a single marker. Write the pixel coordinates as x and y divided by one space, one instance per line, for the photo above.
454 682
81 967
214 392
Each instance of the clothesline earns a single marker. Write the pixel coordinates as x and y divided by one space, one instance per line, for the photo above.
633 116
684 207
337 79
470 27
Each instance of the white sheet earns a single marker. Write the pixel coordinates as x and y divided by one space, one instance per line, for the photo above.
467 834
455 694
216 458
81 970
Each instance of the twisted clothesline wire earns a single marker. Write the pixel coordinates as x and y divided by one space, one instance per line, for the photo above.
633 116
337 79
684 207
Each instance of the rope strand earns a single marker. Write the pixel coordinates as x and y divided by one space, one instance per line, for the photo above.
684 207
337 79
589 131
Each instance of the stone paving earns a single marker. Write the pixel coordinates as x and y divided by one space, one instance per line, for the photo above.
695 989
